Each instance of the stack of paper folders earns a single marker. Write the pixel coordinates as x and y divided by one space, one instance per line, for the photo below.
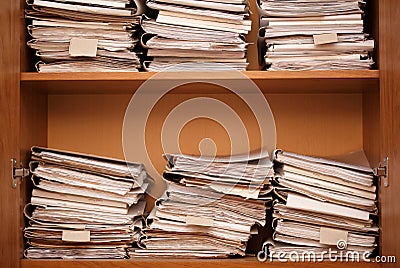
194 31
85 36
314 35
210 209
323 204
83 206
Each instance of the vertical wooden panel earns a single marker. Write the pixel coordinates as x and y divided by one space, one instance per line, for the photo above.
252 49
390 122
9 129
33 132
27 59
371 25
371 132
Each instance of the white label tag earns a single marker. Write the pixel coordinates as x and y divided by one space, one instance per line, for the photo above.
329 236
76 236
191 220
80 47
320 39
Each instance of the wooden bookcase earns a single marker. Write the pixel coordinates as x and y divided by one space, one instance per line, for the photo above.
316 112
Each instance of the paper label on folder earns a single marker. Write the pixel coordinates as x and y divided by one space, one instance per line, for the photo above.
330 236
191 220
320 39
81 47
76 236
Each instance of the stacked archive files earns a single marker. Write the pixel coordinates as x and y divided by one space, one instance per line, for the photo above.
314 35
85 36
195 32
323 204
83 206
210 209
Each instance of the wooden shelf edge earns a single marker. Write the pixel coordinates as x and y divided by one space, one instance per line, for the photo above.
109 76
184 263
142 76
267 82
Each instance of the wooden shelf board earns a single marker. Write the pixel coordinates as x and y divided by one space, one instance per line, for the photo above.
184 263
110 76
268 82
141 76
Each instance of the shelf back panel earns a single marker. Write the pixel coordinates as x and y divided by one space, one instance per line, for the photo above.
93 124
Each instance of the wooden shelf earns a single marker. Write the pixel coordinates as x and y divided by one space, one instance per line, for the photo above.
142 76
169 263
268 82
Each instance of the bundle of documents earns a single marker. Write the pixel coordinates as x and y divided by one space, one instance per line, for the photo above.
323 203
247 176
83 206
210 209
196 31
314 35
85 36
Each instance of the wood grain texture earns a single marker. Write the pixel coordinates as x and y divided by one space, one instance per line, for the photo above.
142 76
33 132
268 82
317 124
28 58
371 133
161 263
389 13
371 26
10 214
322 112
93 123
251 38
